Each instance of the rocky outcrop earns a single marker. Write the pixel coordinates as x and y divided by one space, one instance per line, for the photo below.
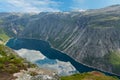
36 74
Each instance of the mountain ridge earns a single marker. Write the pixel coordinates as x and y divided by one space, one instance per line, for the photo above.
89 37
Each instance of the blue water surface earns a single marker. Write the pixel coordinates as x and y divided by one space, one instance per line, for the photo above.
50 53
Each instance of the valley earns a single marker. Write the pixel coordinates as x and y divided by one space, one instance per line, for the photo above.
90 37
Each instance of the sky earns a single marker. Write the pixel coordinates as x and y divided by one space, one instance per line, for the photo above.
53 5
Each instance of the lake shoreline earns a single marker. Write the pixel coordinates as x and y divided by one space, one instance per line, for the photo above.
105 72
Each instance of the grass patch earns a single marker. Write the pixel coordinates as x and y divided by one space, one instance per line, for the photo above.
114 57
1 21
10 62
3 36
89 76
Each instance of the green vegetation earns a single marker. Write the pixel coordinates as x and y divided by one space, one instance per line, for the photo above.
114 60
1 21
3 36
10 61
115 57
109 18
89 76
107 21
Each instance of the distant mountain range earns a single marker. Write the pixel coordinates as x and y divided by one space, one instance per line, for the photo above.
90 37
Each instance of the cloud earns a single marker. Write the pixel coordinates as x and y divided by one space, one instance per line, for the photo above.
33 5
76 6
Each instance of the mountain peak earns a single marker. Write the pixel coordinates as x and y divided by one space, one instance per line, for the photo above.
113 7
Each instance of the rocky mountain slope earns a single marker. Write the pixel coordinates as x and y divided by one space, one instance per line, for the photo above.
91 37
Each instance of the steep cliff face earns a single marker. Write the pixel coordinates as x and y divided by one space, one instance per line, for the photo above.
88 37
91 37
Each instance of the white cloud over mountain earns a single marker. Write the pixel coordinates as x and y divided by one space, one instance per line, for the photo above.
53 5
32 5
